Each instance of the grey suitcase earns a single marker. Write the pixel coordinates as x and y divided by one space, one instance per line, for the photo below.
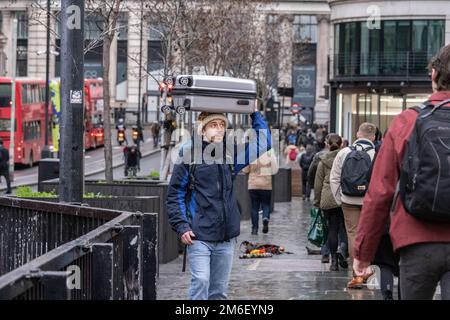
213 94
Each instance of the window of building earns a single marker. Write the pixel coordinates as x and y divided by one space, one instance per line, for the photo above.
22 44
305 28
399 47
272 19
122 26
93 27
22 25
156 32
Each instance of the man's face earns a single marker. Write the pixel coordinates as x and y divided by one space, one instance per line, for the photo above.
215 131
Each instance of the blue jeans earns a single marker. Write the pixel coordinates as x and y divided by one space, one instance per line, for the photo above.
260 199
210 264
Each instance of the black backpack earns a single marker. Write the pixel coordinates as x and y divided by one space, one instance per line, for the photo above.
354 179
305 160
425 171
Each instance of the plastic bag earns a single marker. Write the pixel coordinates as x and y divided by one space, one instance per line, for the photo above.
318 229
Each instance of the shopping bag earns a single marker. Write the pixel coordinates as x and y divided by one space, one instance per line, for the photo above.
318 229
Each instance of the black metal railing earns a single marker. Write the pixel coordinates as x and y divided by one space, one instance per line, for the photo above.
401 63
61 251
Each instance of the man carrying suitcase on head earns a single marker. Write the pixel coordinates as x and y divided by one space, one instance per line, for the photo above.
202 206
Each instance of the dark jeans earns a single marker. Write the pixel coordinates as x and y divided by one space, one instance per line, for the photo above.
336 227
8 181
422 267
305 185
260 199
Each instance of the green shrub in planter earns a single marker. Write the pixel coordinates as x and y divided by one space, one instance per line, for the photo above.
154 175
27 192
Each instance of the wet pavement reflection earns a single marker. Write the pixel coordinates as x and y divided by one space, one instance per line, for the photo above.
287 276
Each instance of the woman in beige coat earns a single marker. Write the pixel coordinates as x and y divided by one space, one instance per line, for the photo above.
260 188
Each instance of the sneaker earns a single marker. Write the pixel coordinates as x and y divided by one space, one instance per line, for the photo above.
366 277
356 283
265 225
312 251
387 295
325 259
254 231
342 261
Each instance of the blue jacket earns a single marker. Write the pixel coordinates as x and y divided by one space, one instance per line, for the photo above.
214 213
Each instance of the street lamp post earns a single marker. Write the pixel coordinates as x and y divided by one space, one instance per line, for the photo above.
46 153
71 165
13 99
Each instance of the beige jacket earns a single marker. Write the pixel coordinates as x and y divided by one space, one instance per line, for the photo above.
261 172
335 176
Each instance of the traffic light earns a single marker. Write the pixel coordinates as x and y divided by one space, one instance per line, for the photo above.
169 90
162 87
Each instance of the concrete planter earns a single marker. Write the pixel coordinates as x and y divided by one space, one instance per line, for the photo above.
168 239
282 185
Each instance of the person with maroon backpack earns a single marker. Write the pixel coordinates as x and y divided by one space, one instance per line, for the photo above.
410 185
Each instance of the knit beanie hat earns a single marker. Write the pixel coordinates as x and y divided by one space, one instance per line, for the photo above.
205 117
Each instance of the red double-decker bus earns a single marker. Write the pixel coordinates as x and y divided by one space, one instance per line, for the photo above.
93 113
29 138
29 126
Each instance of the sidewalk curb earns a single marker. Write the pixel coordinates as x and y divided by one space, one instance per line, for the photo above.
147 154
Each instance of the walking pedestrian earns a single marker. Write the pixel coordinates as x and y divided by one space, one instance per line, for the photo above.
349 183
260 188
323 199
155 129
415 197
4 166
305 162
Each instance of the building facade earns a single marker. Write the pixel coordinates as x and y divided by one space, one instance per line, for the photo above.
379 53
303 63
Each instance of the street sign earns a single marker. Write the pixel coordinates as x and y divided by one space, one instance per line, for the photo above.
285 92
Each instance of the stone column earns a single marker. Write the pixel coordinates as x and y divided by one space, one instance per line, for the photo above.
6 29
322 106
3 56
133 59
37 42
286 48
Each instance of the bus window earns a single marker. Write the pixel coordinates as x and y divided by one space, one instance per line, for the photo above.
38 130
5 95
5 124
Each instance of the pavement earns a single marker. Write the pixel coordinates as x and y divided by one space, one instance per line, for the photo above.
296 276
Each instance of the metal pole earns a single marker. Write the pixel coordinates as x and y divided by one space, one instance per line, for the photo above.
140 78
13 99
282 106
71 173
46 151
